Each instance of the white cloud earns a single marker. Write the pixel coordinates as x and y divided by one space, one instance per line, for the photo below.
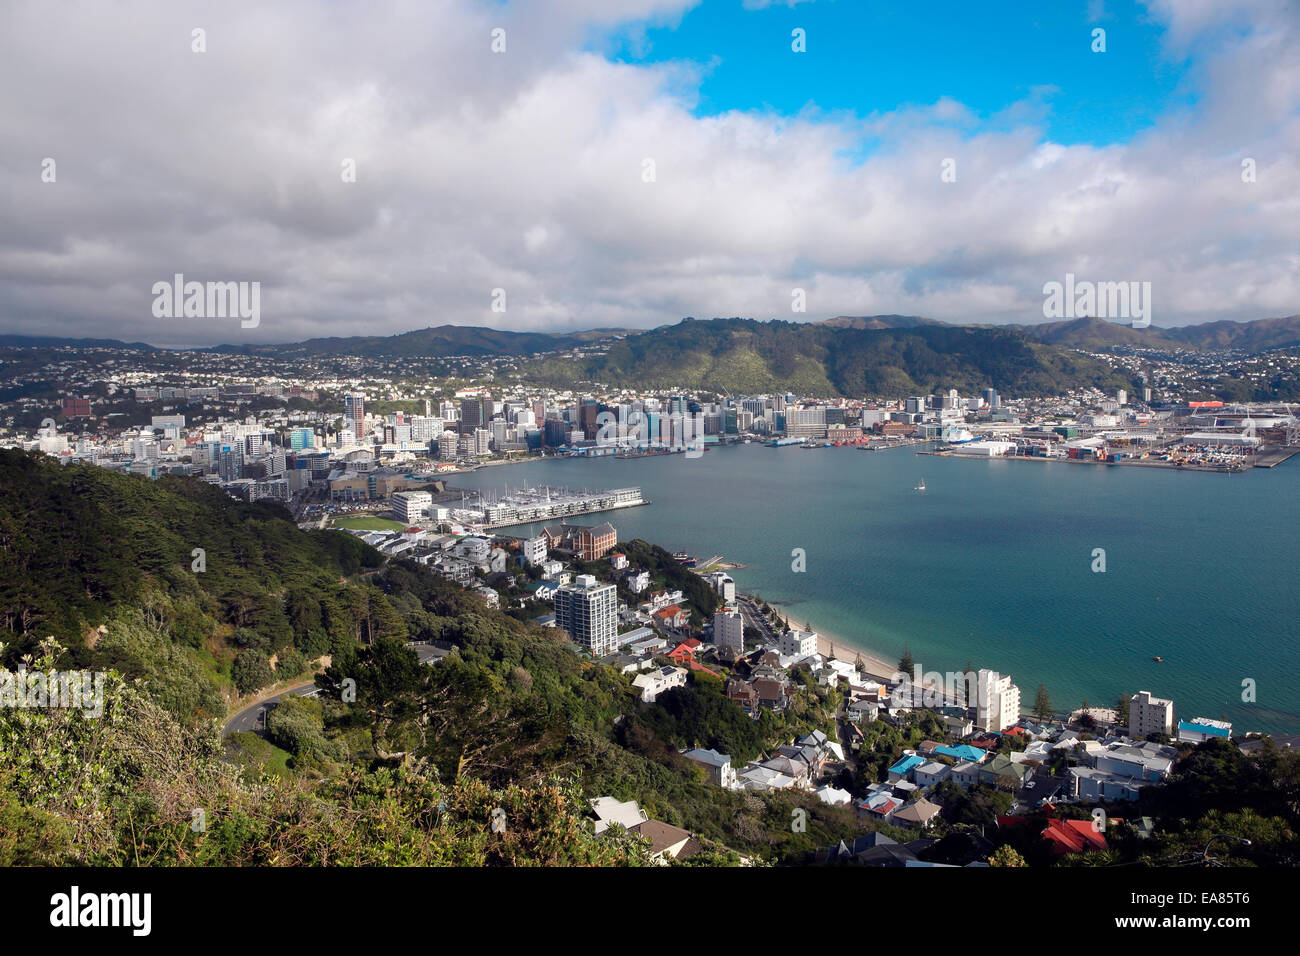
523 171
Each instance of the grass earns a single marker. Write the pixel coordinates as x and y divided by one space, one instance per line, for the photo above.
366 523
251 750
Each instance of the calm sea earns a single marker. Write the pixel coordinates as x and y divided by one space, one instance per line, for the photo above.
993 563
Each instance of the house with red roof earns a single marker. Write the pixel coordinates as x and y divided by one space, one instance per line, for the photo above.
672 616
1073 836
684 653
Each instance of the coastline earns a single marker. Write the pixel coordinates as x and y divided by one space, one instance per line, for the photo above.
876 667
833 646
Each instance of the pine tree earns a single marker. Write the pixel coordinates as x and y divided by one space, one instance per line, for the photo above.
1042 703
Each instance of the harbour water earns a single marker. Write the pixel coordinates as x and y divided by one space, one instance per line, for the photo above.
994 564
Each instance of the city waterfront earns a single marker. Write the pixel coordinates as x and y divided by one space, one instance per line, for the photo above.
993 564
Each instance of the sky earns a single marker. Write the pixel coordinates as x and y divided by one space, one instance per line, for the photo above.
575 164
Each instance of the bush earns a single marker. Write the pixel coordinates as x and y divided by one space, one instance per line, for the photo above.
251 671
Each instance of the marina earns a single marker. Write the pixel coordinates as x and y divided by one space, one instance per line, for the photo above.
490 509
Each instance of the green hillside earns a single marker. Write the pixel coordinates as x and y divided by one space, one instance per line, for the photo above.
835 358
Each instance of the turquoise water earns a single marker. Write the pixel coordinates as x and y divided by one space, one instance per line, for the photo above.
993 563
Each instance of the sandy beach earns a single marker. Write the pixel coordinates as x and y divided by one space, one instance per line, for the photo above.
828 645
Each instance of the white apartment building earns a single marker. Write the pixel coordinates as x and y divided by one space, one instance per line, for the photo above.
447 446
1149 715
534 550
997 701
411 506
729 631
798 644
588 610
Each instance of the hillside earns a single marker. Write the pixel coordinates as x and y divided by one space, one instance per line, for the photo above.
441 340
743 355
1095 334
97 574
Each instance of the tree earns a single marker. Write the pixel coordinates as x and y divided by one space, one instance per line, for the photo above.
1006 855
905 663
251 670
1042 703
1121 710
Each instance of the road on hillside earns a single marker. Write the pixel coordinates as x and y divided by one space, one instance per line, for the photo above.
253 717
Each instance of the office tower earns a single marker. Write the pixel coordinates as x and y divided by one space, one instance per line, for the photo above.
354 415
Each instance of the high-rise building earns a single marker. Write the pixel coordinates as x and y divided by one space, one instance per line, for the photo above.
554 432
354 415
588 611
992 398
589 419
230 463
729 632
997 704
301 438
447 446
474 413
1149 715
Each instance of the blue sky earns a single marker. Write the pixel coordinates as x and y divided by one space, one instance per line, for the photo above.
869 57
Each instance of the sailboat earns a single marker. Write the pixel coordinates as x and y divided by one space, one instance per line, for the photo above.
921 486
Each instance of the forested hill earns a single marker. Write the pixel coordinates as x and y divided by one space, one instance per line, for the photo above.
78 542
744 355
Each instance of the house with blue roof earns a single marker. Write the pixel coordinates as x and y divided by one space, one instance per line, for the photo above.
904 768
962 752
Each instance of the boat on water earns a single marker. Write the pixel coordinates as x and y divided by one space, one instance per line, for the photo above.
1158 660
921 486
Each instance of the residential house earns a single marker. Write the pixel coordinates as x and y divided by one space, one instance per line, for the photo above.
721 773
1087 783
932 773
919 813
672 616
659 680
902 770
609 811
880 806
966 774
1004 773
744 694
1073 836
666 842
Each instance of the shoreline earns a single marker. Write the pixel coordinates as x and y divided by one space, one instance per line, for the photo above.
833 646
